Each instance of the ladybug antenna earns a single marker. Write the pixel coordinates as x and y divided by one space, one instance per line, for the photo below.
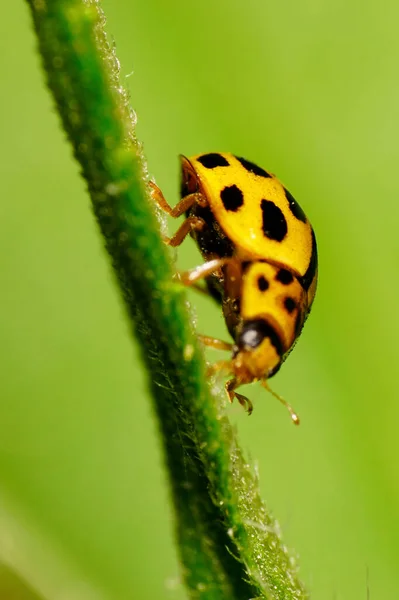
294 416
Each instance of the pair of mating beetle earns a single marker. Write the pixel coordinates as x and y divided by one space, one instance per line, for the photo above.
260 261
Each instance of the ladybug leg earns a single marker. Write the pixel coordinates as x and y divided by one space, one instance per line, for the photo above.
181 207
215 343
204 270
230 388
190 224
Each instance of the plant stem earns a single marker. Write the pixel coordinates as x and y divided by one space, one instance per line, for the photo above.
229 545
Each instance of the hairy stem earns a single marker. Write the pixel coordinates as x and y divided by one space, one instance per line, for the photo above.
229 544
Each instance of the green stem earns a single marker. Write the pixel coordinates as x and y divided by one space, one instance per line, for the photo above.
229 544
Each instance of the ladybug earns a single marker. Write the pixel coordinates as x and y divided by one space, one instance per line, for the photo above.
260 261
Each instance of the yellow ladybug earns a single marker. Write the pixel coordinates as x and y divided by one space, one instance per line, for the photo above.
260 261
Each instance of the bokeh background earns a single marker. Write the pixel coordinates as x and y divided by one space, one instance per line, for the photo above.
310 91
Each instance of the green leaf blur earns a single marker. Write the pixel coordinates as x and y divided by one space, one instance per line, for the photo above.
310 92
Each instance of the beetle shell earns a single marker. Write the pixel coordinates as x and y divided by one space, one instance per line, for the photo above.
260 257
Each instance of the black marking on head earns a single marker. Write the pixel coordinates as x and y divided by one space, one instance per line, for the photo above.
307 279
263 284
285 277
232 198
213 160
252 168
254 332
274 225
294 207
289 304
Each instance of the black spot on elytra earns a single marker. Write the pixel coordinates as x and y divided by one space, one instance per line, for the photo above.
307 279
263 284
289 304
211 161
274 225
294 207
284 277
252 168
254 332
232 198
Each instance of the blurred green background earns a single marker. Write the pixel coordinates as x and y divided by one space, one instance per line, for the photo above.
308 90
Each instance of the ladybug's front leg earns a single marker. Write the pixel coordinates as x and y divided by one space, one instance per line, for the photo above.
192 222
215 343
181 207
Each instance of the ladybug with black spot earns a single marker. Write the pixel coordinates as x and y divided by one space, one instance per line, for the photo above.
260 261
